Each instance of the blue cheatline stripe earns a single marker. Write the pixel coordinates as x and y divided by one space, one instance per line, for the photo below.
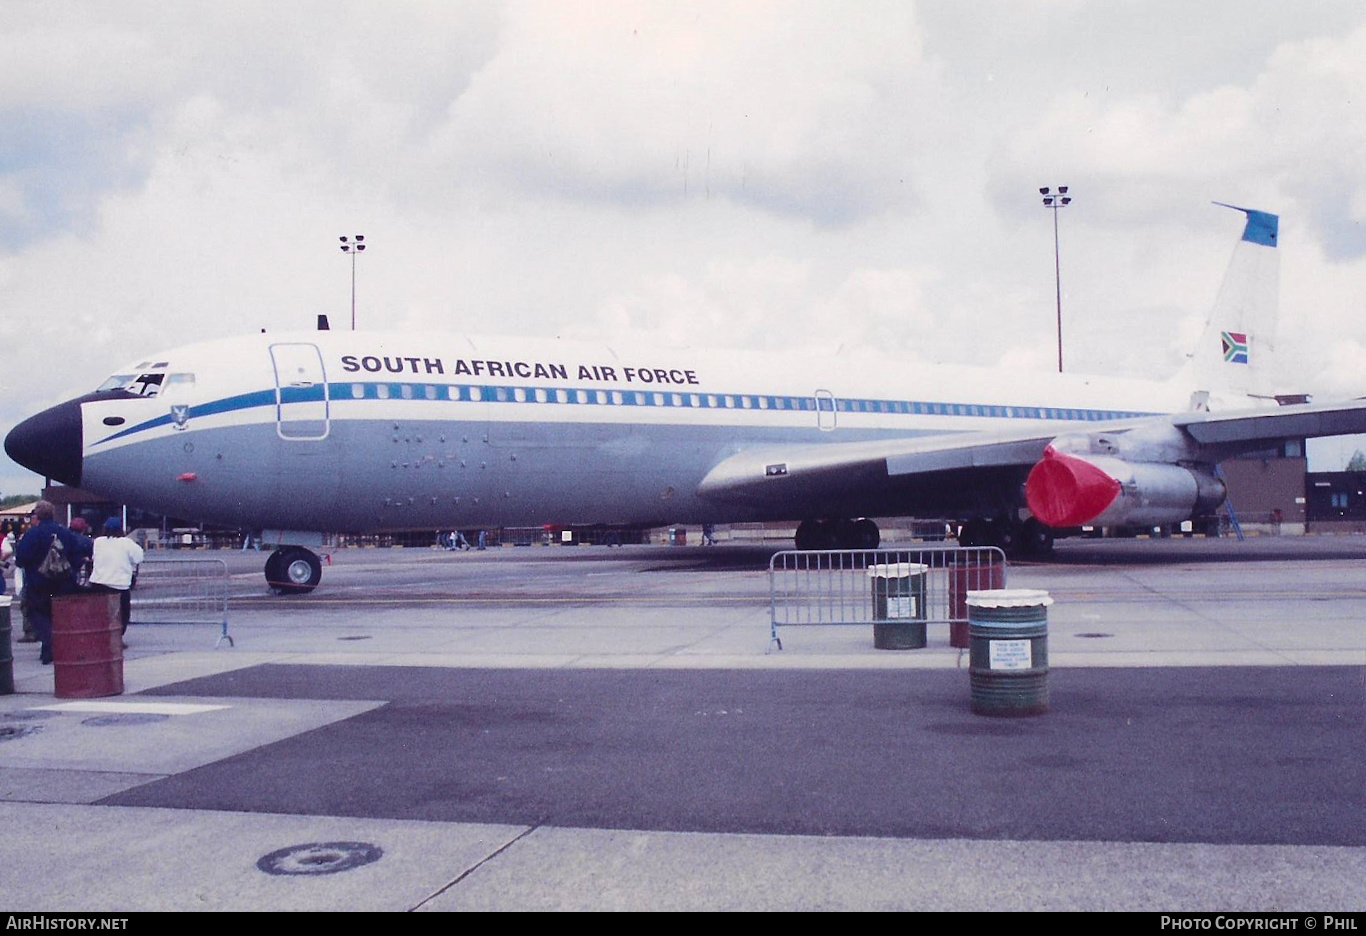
242 401
489 393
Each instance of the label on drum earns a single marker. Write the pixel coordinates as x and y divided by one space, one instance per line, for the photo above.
1010 654
900 606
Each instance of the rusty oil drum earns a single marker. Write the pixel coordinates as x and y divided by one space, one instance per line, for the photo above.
1008 656
964 577
87 646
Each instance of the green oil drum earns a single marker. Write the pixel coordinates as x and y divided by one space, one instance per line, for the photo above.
899 611
6 648
1008 651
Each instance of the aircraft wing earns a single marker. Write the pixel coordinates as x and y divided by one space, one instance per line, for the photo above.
1302 420
784 472
938 469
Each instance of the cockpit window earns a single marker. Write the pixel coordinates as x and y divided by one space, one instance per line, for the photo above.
146 384
117 382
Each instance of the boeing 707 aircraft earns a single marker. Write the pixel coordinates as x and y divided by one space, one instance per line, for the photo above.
352 432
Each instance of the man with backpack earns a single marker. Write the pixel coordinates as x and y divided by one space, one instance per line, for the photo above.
49 554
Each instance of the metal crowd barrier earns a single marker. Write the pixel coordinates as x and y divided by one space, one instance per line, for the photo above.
182 591
837 586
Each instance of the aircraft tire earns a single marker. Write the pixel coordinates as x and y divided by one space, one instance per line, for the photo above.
972 533
274 571
866 535
841 534
837 534
812 534
1036 540
1006 535
297 571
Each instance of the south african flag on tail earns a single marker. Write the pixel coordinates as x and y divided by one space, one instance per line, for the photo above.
1235 347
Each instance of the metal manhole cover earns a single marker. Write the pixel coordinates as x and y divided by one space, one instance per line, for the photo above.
1094 634
362 637
14 732
319 858
124 718
28 716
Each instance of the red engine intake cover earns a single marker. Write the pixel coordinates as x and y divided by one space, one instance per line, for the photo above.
1063 491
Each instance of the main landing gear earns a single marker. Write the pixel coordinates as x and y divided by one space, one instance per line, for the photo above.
838 534
1030 539
293 570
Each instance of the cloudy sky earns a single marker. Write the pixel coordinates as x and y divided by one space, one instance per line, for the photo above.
747 174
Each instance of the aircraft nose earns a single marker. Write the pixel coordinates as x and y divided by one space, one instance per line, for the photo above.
50 443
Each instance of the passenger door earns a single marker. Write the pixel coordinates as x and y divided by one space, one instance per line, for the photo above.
302 407
825 410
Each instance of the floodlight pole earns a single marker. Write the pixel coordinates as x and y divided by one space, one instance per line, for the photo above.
1060 200
353 246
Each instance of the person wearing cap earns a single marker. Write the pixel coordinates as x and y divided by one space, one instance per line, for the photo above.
116 563
81 527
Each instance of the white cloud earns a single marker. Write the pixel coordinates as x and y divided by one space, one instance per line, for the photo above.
796 109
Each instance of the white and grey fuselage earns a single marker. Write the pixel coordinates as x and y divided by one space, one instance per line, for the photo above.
348 431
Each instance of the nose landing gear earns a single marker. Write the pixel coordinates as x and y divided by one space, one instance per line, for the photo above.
293 570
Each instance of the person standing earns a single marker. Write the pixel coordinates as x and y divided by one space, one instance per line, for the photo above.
49 554
6 553
116 565
17 531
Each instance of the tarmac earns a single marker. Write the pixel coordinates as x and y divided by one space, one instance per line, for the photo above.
584 728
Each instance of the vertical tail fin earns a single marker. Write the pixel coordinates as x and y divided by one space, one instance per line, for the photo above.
1239 336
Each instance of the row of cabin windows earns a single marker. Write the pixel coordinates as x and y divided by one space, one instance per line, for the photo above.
150 384
475 394
471 394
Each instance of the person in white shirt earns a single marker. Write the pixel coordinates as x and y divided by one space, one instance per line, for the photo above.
6 554
115 566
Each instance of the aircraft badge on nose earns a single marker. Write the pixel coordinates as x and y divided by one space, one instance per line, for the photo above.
180 415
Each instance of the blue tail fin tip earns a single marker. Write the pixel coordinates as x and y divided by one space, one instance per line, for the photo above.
1262 227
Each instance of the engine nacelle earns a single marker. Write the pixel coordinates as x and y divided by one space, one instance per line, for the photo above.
1100 490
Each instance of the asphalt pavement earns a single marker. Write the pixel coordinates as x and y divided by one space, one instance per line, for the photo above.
594 728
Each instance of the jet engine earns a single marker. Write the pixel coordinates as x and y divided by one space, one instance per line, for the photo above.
1071 490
